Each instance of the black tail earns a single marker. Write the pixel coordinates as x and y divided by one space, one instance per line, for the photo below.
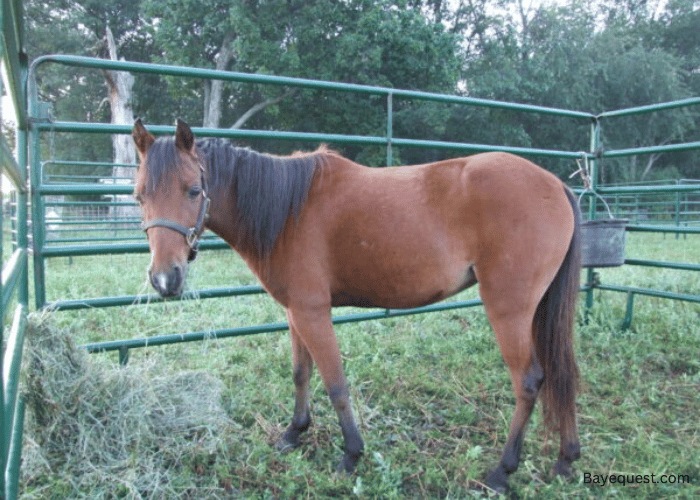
553 326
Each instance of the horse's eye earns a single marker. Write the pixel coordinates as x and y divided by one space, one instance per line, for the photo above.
138 198
194 192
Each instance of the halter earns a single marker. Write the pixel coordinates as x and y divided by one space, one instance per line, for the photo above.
191 234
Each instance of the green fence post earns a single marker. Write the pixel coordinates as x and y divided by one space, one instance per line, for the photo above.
593 171
22 202
35 109
677 217
123 355
3 437
627 322
389 128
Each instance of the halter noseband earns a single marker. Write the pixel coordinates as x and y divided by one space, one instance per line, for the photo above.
191 234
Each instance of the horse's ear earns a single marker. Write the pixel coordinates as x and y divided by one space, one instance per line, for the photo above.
142 138
184 138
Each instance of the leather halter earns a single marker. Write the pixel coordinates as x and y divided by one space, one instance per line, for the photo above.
191 234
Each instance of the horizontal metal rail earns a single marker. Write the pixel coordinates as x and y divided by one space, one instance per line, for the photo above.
80 163
14 452
668 148
93 239
124 248
12 359
10 168
134 222
121 345
124 345
651 189
682 266
687 297
90 189
51 178
107 128
13 405
646 228
639 110
128 300
49 203
163 69
11 273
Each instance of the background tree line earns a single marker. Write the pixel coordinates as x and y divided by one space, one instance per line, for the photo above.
581 55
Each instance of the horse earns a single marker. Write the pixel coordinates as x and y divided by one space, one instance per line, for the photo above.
321 231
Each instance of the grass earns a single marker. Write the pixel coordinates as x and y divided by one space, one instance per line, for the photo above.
431 394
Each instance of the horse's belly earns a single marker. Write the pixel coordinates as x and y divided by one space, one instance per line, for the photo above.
406 287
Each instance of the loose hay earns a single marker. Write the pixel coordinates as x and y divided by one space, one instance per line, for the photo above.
95 430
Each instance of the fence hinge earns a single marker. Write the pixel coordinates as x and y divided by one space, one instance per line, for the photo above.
43 113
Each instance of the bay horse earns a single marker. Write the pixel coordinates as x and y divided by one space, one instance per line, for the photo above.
319 231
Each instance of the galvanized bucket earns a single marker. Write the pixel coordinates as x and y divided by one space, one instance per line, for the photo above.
603 242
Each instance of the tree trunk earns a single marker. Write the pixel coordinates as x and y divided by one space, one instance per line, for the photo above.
119 86
215 89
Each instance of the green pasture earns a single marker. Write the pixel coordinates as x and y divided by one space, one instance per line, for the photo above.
431 393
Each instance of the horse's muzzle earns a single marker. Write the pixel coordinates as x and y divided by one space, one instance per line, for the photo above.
169 283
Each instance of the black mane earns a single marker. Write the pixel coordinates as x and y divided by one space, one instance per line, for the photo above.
268 189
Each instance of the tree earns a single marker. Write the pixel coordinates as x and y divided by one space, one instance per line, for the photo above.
359 41
564 57
120 87
210 28
83 28
52 27
581 55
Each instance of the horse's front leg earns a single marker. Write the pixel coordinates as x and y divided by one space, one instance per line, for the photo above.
303 366
314 329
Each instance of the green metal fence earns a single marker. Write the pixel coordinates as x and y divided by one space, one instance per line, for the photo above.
610 192
46 247
14 288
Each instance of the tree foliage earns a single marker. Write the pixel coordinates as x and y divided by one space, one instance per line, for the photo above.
582 55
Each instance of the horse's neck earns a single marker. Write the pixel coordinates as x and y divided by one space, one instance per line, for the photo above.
222 216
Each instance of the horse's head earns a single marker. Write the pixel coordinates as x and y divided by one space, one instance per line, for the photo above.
170 187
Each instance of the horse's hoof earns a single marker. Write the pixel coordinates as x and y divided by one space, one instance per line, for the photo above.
346 467
288 441
562 468
497 480
284 446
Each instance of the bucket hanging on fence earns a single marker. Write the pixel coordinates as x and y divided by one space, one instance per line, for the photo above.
602 240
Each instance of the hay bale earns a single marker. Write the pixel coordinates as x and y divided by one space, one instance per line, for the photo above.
97 430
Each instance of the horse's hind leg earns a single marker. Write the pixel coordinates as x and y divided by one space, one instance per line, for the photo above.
514 338
315 331
303 366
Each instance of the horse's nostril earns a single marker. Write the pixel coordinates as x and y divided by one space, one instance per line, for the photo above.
162 281
169 283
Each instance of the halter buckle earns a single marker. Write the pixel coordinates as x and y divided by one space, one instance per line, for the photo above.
192 237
